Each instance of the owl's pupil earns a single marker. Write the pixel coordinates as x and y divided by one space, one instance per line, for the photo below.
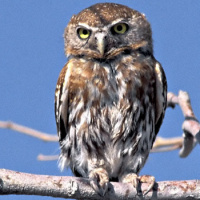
119 28
85 32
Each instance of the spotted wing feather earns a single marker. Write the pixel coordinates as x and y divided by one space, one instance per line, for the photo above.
161 95
61 105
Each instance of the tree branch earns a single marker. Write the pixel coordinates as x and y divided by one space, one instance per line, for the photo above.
190 126
167 144
12 182
29 131
42 157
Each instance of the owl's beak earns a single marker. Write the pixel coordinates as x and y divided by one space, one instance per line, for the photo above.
101 42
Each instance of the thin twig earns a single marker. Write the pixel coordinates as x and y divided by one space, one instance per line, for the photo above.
165 149
42 157
167 144
28 131
160 141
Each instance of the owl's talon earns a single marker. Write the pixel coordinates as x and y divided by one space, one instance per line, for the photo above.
99 180
134 179
101 190
148 179
131 178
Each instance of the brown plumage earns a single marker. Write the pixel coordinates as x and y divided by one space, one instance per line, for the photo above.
110 97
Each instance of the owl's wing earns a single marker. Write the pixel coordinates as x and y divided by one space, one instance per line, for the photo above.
61 103
161 95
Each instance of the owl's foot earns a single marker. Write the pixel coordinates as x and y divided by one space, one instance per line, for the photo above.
99 180
134 179
131 178
148 179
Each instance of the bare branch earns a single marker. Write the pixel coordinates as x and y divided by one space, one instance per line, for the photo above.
28 131
12 182
160 142
172 100
167 144
42 157
190 126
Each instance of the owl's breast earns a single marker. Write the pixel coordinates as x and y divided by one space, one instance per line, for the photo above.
108 91
109 103
110 112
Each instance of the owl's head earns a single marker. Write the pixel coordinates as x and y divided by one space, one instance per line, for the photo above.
106 30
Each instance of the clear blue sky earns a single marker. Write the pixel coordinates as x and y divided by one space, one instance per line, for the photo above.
32 55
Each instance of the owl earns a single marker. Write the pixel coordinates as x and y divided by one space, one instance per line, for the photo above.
110 97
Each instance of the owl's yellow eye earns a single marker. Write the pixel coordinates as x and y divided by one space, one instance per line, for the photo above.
83 33
120 28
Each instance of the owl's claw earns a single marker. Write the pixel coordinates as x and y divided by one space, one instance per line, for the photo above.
99 180
148 179
131 178
134 179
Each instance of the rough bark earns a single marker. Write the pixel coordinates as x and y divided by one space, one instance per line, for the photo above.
18 183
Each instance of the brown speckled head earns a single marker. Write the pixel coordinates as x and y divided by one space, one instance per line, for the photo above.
103 13
101 18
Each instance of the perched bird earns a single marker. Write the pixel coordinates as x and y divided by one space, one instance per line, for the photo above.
110 97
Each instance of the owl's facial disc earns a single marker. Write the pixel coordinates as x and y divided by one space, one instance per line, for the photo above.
102 42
